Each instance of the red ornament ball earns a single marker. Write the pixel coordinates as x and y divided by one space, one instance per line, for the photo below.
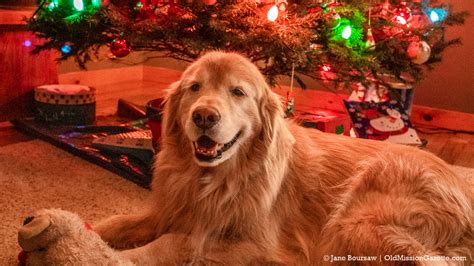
402 14
120 47
209 2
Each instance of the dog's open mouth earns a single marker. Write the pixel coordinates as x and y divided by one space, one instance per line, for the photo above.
206 149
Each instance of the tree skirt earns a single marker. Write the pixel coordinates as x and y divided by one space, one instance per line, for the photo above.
134 165
35 175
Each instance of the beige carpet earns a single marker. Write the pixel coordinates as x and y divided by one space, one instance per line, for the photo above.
35 175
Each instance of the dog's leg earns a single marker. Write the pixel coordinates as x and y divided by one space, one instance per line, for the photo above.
178 249
398 206
169 249
126 231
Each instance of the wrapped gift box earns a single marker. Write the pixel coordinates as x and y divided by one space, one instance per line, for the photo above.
325 120
65 104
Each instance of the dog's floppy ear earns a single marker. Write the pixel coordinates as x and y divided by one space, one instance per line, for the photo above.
271 113
170 122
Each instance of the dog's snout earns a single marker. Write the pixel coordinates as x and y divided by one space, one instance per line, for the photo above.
206 117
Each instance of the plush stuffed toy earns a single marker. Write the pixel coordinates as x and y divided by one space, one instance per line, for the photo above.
57 237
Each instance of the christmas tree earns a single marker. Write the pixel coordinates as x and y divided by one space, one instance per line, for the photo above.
346 42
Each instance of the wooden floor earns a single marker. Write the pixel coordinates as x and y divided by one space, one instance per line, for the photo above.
455 148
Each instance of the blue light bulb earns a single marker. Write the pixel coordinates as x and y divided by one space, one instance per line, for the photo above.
66 49
434 16
27 43
437 14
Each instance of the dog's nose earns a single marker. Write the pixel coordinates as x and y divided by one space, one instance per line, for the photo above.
28 220
206 117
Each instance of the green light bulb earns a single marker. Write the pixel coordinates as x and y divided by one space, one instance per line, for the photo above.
96 3
346 32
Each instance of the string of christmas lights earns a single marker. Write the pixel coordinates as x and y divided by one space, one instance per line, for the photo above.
345 42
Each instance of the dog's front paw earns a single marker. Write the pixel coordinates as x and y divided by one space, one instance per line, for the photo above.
124 231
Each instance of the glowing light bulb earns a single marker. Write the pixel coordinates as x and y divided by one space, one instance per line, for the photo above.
27 43
434 16
326 67
437 14
53 5
272 14
96 3
346 32
66 49
79 5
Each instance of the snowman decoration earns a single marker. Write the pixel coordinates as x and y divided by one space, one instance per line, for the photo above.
385 121
391 124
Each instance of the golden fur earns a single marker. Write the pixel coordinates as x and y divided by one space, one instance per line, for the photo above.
284 194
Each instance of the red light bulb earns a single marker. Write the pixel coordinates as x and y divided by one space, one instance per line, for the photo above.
326 68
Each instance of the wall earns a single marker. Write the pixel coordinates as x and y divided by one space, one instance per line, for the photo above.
449 86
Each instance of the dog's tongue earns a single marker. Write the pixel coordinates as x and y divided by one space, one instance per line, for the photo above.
206 142
207 146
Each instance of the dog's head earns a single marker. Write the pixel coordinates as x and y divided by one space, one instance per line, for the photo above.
221 103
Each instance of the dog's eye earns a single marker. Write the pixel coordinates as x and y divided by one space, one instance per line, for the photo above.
195 87
238 91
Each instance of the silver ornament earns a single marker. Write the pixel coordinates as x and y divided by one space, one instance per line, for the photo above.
419 52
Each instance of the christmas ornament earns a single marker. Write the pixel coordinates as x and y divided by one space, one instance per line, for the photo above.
143 9
370 42
290 104
402 14
316 48
209 2
290 101
326 72
419 52
334 21
385 7
282 7
120 47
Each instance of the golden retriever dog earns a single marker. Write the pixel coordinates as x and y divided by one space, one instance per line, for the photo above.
237 184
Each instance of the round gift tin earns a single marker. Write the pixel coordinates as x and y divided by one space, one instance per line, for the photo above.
65 104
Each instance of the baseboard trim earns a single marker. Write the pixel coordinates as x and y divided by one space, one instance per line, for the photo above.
441 118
